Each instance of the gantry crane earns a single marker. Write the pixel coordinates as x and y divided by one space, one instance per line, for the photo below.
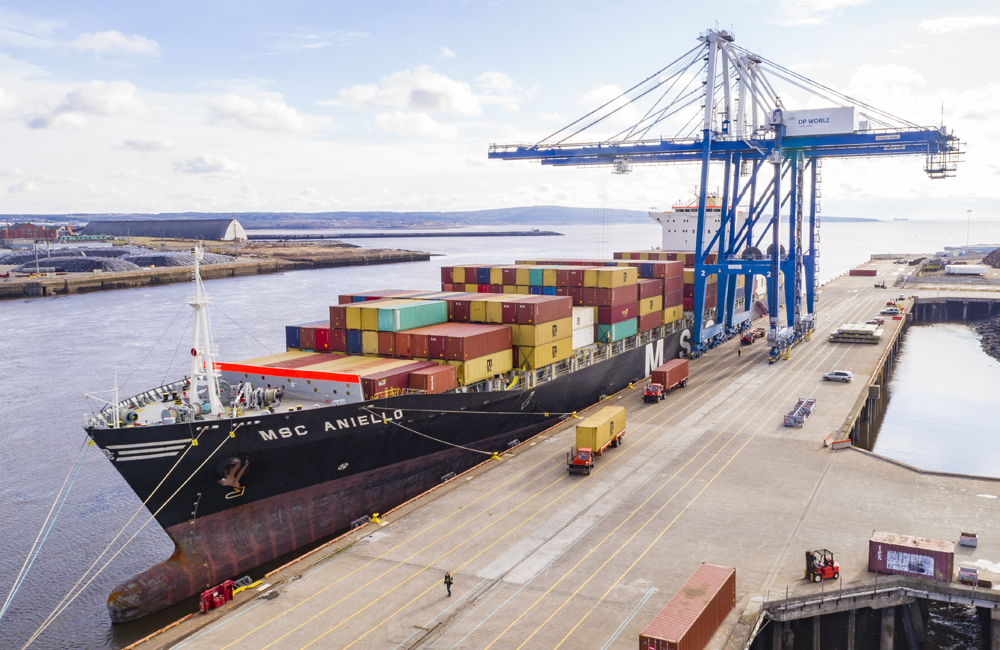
745 125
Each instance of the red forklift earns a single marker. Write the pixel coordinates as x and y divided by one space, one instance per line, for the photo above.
821 566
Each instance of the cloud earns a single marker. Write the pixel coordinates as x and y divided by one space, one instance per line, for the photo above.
98 98
265 115
552 117
626 113
420 90
957 23
22 187
418 125
211 166
114 42
10 173
814 12
149 143
23 30
317 40
8 101
446 53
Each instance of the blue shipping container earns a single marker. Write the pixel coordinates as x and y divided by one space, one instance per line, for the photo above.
483 275
353 341
646 270
535 291
548 291
292 337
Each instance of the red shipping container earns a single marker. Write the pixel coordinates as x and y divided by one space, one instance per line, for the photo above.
387 344
617 313
689 291
434 379
338 316
673 299
650 288
569 278
577 294
344 299
510 276
671 373
911 556
338 340
671 256
496 288
693 615
471 275
675 283
461 311
323 339
543 309
379 383
435 346
475 340
650 321
864 272
609 297
402 344
673 269
420 346
508 311
711 299
445 274
447 286
483 288
688 304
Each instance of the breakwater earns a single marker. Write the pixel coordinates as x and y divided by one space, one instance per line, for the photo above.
71 283
394 235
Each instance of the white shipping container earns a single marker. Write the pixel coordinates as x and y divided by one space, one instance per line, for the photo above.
583 337
820 121
583 317
965 269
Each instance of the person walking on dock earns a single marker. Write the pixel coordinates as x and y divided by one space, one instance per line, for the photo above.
448 582
739 352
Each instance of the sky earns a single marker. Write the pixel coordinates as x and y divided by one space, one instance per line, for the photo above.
324 106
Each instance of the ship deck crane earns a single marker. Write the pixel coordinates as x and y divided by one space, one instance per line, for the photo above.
739 119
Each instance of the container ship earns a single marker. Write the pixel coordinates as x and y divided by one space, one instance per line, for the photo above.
391 393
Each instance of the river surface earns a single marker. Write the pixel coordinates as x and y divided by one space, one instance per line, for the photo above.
57 349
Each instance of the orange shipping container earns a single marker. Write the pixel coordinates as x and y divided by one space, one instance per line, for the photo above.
435 380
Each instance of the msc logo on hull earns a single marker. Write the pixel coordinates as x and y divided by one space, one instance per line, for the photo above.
346 423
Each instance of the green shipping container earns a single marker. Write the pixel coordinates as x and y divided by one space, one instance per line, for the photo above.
407 317
619 331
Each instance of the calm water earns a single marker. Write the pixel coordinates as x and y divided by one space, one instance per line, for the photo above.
941 413
55 350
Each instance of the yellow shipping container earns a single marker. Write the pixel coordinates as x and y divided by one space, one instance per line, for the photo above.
494 309
523 277
509 289
523 289
532 335
458 274
369 342
496 275
610 278
741 281
549 277
688 276
649 305
674 313
543 355
473 370
479 311
471 288
643 256
600 429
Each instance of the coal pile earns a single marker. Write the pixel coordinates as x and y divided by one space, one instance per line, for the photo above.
989 330
79 265
993 258
163 259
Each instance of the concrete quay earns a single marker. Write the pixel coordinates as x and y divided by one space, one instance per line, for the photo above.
543 559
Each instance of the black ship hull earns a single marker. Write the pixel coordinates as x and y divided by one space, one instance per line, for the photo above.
311 473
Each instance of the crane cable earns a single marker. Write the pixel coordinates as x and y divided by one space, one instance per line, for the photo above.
43 532
60 608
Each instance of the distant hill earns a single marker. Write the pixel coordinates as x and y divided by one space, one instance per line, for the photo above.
525 216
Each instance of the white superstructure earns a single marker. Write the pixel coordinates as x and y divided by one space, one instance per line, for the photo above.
680 225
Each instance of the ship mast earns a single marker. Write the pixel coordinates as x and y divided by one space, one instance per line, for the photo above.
203 369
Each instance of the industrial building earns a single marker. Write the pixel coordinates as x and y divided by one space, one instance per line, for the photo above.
201 229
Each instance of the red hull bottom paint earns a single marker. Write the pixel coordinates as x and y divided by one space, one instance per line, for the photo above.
228 544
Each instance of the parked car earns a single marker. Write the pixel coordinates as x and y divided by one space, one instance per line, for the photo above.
838 375
878 320
890 311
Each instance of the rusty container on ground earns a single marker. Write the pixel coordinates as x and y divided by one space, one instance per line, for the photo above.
916 557
692 616
862 272
670 374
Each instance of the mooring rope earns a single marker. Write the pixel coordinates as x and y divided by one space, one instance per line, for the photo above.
50 520
443 442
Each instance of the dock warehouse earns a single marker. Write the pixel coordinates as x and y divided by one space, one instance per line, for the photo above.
203 229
